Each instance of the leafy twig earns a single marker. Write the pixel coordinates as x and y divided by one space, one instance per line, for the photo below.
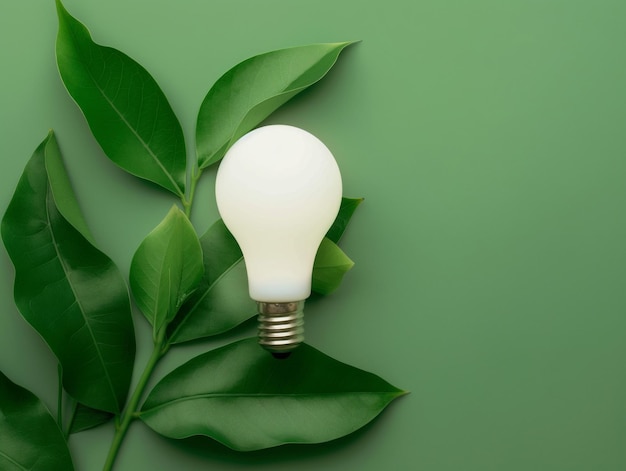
130 411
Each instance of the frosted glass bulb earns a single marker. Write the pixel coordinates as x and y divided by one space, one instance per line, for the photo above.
278 190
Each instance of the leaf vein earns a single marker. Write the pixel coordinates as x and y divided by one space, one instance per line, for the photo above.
12 461
107 376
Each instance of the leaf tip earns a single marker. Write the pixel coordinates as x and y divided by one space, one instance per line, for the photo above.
61 11
175 210
343 45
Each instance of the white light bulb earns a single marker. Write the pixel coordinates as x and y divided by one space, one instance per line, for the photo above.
278 190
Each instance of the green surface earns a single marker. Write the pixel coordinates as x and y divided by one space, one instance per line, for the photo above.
487 138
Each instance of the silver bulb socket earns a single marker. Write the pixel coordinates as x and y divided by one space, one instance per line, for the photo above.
281 326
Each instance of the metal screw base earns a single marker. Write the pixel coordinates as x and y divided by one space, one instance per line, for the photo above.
281 326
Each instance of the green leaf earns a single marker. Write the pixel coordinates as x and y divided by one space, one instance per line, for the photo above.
166 268
221 301
244 398
346 210
252 90
62 191
331 264
86 418
219 304
68 290
30 439
127 112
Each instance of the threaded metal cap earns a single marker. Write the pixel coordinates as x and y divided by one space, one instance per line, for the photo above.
281 326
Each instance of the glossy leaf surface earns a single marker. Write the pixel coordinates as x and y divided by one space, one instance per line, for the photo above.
29 437
166 268
67 289
61 188
244 398
331 264
221 303
127 112
252 90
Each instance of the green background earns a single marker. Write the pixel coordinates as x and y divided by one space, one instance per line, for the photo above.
488 138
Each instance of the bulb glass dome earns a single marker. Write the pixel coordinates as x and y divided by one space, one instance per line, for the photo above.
278 190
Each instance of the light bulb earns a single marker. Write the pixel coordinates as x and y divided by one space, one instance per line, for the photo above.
278 191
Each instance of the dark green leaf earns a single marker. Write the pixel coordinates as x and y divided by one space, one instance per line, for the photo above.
166 268
244 398
221 301
346 210
30 439
62 191
68 290
127 112
331 264
252 90
86 418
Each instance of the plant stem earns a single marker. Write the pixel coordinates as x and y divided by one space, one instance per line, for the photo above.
130 412
188 201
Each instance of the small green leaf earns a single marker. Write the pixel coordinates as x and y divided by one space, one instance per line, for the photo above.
221 301
127 112
252 90
166 268
68 290
30 439
331 264
86 418
244 398
346 210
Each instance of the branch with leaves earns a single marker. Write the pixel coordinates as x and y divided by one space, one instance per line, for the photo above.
187 287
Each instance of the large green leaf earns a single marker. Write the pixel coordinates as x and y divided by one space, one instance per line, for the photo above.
252 90
166 268
30 439
221 302
67 289
127 112
244 398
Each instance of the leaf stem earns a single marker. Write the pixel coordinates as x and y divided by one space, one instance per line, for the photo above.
188 201
130 412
